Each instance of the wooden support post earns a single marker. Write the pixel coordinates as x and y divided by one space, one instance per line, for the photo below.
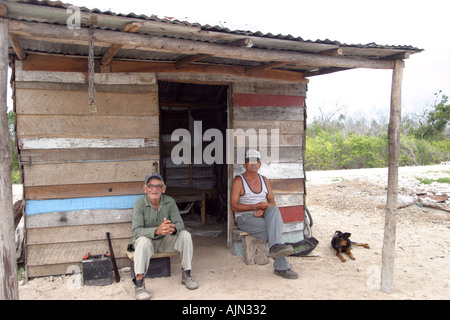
8 266
203 211
388 255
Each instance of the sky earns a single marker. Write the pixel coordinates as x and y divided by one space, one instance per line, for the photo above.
356 93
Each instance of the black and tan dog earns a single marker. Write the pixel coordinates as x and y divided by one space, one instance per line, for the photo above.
341 243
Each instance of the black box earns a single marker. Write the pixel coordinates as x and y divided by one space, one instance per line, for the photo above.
97 271
159 267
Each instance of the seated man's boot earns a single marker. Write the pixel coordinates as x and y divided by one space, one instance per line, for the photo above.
287 274
141 293
187 280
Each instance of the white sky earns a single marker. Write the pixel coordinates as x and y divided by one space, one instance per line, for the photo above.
421 24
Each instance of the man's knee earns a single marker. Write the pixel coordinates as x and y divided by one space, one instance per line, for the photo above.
184 235
184 241
143 243
272 210
143 250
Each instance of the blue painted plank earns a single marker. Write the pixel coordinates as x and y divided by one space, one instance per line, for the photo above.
75 204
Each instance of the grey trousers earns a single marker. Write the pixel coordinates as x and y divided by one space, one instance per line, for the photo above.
144 248
268 228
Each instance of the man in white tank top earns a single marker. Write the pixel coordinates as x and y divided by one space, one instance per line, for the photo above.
253 203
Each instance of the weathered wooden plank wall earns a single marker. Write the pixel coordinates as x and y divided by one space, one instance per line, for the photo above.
82 171
271 106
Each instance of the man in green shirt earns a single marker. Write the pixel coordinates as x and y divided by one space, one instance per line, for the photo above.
157 226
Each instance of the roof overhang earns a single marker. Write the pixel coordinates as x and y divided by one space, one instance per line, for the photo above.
44 27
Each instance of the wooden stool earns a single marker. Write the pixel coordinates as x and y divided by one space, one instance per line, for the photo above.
255 250
160 266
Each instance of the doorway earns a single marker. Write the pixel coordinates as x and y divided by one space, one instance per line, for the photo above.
194 108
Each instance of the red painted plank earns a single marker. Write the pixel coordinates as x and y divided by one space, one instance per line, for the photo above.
292 214
267 100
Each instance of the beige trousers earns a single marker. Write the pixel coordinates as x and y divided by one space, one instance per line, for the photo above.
144 249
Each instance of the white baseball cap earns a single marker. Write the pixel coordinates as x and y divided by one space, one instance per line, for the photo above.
252 154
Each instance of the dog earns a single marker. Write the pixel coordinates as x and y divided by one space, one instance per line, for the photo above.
341 243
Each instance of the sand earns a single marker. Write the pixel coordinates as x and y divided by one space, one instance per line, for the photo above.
346 200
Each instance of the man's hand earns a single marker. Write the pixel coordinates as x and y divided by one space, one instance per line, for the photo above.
261 208
259 213
167 227
262 205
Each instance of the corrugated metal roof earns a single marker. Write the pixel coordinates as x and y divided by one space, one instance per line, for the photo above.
54 12
215 28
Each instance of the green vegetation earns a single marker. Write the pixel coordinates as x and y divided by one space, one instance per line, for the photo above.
443 180
16 174
21 274
346 144
430 181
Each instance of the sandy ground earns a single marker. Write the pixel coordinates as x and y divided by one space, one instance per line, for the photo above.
346 200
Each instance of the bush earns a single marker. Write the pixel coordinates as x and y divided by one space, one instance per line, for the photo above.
331 149
415 151
324 151
367 152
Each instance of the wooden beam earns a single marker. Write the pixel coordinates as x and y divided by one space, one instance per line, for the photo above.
114 48
9 289
185 61
55 33
231 73
133 26
244 43
398 56
15 43
112 51
332 52
323 71
267 66
388 254
189 73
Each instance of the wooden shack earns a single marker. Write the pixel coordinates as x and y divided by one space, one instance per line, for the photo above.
84 162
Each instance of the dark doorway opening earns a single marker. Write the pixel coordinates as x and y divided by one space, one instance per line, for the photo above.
182 106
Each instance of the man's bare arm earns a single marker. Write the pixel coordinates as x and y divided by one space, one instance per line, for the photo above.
236 190
270 195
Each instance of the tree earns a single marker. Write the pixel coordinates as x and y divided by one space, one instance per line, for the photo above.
436 120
